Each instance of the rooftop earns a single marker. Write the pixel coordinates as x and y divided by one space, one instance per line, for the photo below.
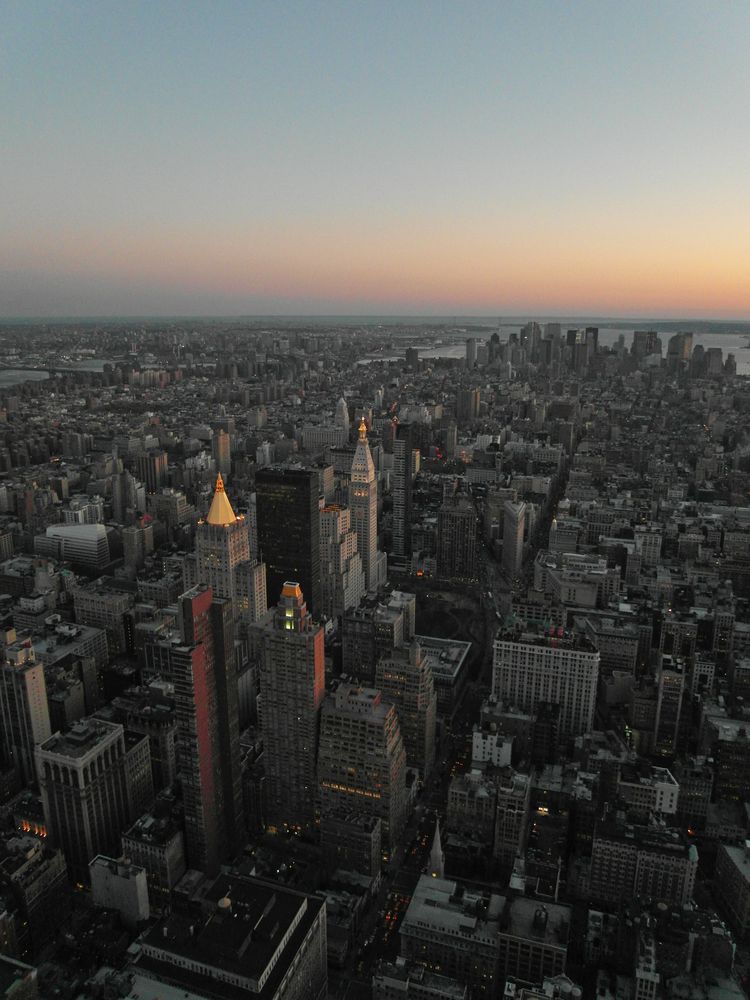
240 931
82 737
445 656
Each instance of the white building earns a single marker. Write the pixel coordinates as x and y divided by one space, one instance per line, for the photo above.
81 543
121 886
556 666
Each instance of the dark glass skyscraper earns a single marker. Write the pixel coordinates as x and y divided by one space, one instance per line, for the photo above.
205 687
289 530
403 473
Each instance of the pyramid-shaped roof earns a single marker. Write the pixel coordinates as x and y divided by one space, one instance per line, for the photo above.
220 511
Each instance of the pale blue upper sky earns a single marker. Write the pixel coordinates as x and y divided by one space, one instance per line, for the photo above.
374 157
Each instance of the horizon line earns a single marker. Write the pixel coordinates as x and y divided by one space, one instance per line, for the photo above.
446 317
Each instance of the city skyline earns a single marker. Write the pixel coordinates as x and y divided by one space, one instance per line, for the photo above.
328 159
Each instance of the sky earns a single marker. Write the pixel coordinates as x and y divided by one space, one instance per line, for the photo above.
516 158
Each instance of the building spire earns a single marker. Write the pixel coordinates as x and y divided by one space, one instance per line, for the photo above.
362 430
220 511
437 858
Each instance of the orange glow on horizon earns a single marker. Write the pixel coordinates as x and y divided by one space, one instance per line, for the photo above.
425 267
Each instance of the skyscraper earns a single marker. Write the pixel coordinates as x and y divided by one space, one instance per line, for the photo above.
341 418
292 685
84 785
457 539
362 760
363 502
467 405
205 688
403 473
289 530
23 708
223 558
342 577
404 677
514 523
471 352
222 452
153 469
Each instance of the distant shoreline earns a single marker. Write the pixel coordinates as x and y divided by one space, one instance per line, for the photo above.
391 320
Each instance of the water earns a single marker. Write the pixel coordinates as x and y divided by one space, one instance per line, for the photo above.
14 376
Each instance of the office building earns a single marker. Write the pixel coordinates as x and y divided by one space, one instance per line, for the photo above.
245 938
85 545
205 691
138 542
404 676
457 539
352 841
24 712
553 665
732 885
341 574
84 784
375 628
363 503
669 706
341 417
362 760
403 475
289 530
221 448
292 686
467 406
514 527
153 470
35 875
479 938
471 352
158 846
472 800
513 792
645 862
223 558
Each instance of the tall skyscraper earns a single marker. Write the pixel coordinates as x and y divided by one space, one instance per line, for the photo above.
223 558
457 539
471 352
221 447
289 530
23 709
467 405
362 760
205 686
403 474
153 469
514 524
292 686
363 502
341 418
342 577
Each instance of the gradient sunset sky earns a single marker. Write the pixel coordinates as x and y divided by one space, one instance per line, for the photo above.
521 158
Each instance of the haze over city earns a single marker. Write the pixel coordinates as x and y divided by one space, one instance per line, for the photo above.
428 158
